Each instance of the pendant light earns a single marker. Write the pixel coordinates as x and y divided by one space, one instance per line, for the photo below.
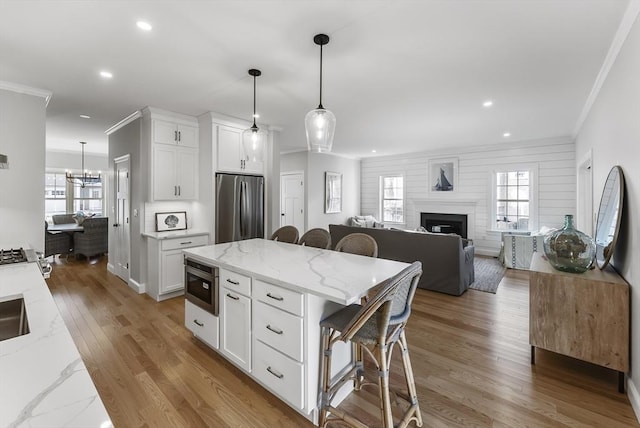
85 177
253 139
320 123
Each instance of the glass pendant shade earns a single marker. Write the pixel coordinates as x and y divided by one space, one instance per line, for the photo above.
320 125
253 140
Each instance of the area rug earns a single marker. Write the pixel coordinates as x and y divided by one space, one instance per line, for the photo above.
488 273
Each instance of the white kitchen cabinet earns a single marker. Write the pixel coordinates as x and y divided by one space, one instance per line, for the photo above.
204 325
167 132
166 264
230 152
174 173
235 326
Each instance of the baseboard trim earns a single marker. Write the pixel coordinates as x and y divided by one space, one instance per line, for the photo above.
634 397
486 251
136 286
111 268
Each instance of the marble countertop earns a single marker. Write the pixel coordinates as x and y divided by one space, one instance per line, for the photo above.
339 277
176 234
43 381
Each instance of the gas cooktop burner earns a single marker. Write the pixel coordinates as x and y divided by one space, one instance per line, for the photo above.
12 256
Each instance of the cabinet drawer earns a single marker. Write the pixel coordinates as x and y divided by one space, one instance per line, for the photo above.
185 242
202 324
282 375
279 297
280 330
236 282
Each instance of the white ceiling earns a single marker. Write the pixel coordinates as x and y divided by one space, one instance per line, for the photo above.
400 76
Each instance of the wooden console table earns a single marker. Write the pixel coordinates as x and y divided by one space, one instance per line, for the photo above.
584 316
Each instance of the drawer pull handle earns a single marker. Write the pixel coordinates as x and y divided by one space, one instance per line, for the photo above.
275 330
186 243
232 296
198 323
278 298
275 373
232 282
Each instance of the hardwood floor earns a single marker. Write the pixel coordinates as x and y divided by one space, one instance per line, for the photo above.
470 357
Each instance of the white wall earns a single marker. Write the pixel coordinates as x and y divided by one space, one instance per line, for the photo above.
318 164
59 160
555 160
612 131
22 139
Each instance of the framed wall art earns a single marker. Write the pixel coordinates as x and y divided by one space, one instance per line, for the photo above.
171 221
443 175
332 192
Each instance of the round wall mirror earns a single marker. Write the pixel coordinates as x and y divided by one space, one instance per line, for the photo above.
609 214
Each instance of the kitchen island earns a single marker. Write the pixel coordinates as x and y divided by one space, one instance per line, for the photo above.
272 296
43 381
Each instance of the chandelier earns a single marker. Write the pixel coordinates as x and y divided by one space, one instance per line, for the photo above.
85 177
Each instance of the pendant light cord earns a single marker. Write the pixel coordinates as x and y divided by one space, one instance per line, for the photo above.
320 106
254 100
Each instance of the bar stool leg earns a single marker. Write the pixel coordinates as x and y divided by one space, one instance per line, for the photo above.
411 385
325 376
383 385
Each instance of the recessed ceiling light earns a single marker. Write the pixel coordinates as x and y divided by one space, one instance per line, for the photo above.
85 116
506 134
144 25
487 103
106 74
373 151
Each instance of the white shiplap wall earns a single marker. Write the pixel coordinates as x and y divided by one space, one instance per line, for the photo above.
555 160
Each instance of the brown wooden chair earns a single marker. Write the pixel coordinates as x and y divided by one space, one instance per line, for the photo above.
318 238
358 243
373 329
286 234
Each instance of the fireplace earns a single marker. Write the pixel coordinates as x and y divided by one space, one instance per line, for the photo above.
445 223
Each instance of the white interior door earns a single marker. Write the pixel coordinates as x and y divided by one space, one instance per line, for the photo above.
121 221
292 200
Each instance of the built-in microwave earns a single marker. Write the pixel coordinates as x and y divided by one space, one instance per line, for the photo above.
201 285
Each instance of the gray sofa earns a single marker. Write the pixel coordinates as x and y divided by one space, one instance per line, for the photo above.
447 266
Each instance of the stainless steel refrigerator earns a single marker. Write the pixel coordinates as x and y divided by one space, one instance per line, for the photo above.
239 207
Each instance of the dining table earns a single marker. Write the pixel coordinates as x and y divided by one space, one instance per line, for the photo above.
66 227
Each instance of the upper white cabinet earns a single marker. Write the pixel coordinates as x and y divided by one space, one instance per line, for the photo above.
166 132
172 142
230 152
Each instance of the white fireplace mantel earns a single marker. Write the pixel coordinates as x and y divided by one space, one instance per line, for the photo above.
449 206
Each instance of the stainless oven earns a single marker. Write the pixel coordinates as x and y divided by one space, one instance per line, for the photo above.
201 285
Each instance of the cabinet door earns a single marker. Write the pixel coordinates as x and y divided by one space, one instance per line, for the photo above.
172 275
229 149
164 173
164 132
235 310
187 173
187 136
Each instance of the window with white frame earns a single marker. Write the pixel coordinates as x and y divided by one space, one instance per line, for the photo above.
514 202
62 197
392 198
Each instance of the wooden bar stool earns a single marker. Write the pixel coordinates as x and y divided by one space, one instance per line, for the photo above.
373 329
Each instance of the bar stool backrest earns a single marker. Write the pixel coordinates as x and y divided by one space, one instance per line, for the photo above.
286 234
318 238
358 243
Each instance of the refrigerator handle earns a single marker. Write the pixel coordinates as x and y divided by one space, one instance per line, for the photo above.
243 203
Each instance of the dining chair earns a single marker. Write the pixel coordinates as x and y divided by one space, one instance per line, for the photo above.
94 240
358 243
56 242
318 238
62 218
373 329
286 234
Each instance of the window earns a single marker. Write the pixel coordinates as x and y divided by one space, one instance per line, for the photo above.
513 201
392 199
62 197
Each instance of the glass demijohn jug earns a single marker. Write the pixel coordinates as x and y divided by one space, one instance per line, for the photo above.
568 249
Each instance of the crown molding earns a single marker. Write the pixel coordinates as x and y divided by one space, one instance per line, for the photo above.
124 122
626 24
27 90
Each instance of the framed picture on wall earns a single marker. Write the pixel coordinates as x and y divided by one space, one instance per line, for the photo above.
171 221
443 175
332 192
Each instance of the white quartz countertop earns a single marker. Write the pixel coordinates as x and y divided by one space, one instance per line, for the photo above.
43 381
176 234
339 277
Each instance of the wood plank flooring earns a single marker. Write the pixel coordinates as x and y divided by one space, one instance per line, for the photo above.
470 356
